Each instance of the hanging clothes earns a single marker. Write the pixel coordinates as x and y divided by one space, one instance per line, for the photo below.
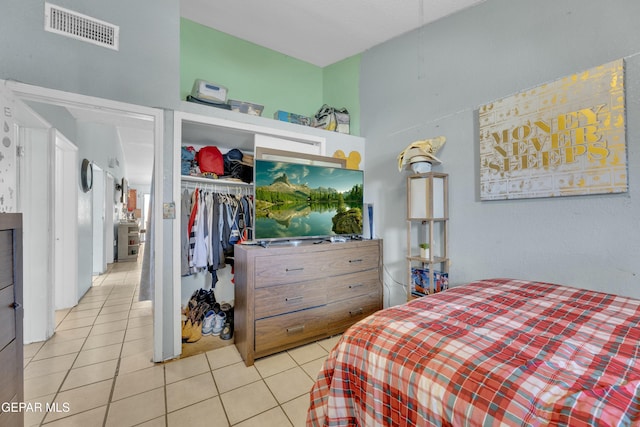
225 230
199 259
185 215
214 223
245 218
191 236
217 257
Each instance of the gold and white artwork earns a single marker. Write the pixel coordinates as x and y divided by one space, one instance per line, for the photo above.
558 139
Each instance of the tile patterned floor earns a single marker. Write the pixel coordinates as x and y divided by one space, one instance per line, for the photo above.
97 371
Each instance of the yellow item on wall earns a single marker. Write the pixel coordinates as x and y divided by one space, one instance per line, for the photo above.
353 161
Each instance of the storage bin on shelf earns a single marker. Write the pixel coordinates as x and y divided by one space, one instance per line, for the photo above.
246 107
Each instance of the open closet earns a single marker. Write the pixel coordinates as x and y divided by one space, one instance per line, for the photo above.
214 216
204 273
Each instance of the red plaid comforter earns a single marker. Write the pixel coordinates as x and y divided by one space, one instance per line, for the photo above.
494 352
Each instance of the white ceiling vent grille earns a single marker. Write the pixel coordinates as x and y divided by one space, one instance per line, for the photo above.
81 27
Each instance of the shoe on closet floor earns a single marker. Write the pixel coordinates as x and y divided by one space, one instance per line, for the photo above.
218 323
196 332
227 331
228 310
187 330
207 323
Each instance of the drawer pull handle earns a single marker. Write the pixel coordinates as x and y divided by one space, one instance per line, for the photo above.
294 299
294 269
357 312
357 285
355 260
295 329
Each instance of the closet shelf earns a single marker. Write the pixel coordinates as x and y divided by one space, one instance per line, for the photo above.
202 180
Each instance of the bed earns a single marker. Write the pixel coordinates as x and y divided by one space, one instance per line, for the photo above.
499 352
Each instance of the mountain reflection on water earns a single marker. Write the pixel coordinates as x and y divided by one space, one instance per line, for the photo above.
304 219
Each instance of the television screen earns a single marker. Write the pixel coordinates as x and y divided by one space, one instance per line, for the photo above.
299 200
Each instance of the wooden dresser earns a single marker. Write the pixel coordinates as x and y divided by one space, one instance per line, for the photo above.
11 314
286 296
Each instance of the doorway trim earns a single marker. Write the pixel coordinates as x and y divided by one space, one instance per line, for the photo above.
98 200
65 220
109 240
27 92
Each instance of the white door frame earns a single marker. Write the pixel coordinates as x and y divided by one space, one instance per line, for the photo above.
99 215
156 116
65 222
109 206
35 202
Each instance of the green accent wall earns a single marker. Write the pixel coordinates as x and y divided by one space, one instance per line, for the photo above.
341 88
266 77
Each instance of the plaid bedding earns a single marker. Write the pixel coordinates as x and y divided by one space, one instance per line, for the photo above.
498 352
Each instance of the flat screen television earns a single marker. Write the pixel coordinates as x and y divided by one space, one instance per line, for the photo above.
303 201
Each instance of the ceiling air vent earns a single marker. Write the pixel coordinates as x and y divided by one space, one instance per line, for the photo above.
78 26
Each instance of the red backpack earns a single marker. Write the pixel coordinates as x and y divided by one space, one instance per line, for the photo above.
210 160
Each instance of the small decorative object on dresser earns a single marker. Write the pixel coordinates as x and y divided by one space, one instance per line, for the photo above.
287 296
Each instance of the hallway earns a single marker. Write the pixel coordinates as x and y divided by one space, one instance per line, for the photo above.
97 371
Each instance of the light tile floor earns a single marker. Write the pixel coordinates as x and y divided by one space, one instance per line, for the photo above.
97 371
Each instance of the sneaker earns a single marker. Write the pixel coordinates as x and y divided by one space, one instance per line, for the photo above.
228 310
211 298
202 295
207 323
218 323
227 331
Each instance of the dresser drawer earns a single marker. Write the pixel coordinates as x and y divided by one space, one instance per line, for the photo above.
335 261
289 328
353 285
286 296
274 300
341 315
6 258
7 317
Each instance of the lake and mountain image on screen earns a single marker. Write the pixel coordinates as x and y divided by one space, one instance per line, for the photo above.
296 200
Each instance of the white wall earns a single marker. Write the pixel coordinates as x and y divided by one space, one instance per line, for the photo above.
431 81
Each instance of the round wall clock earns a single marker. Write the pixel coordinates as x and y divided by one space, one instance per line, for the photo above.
86 175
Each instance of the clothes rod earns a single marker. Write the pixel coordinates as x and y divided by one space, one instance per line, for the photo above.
219 187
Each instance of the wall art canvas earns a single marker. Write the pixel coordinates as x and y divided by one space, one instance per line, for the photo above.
562 138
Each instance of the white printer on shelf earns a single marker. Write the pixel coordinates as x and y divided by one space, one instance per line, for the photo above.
208 91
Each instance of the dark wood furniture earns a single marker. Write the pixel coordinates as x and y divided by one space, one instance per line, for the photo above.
287 296
11 314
